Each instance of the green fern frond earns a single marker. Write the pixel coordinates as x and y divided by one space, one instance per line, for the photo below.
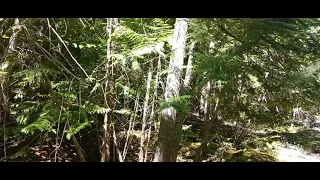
75 128
30 76
22 119
67 95
41 124
179 103
124 112
95 109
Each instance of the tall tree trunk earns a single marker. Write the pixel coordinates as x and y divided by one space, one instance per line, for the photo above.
206 108
170 126
186 84
5 73
189 67
5 69
209 112
144 116
152 114
109 92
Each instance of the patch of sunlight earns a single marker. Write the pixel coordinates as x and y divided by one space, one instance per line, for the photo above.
291 153
4 65
248 155
195 144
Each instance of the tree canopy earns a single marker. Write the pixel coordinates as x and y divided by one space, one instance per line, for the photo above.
158 89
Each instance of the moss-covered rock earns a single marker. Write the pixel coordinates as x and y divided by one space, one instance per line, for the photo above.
248 156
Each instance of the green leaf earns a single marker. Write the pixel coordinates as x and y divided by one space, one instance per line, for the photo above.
96 86
179 103
5 36
123 111
92 109
3 73
41 124
22 119
75 45
76 128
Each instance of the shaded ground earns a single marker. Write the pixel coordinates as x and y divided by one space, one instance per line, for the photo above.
236 144
300 146
228 143
294 154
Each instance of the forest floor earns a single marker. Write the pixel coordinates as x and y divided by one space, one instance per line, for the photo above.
283 144
227 144
294 154
307 148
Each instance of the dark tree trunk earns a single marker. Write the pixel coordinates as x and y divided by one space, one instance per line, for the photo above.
5 69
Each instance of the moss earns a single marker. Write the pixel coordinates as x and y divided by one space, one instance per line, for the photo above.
248 156
195 145
213 146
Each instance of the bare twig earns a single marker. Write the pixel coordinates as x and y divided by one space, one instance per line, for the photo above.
68 50
131 127
82 22
55 154
116 146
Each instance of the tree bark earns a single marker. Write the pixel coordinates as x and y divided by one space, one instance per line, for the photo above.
208 120
144 116
5 69
170 126
209 112
152 114
189 67
5 74
109 92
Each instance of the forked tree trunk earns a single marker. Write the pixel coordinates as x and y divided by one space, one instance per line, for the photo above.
109 92
170 126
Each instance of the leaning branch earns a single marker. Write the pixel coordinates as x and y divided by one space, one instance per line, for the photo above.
68 50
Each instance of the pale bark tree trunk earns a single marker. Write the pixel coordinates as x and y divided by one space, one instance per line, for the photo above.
109 92
189 67
144 116
5 73
186 85
170 126
205 108
152 117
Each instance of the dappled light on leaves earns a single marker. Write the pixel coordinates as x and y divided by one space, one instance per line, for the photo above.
160 89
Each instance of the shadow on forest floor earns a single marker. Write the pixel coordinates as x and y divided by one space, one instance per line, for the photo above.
237 144
309 140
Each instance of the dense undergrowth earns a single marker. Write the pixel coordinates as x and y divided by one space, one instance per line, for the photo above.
159 89
226 144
